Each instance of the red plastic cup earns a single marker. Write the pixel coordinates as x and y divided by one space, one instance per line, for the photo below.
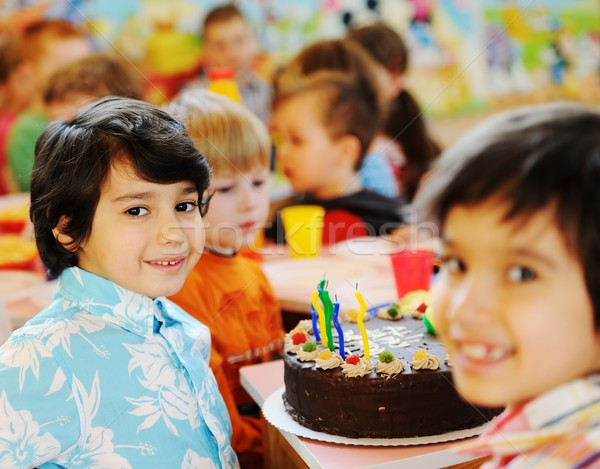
412 270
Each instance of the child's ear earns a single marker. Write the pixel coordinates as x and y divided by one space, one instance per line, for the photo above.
63 239
349 146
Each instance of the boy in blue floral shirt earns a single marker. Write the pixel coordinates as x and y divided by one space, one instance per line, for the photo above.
111 374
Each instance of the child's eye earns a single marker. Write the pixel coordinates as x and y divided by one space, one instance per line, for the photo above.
224 189
186 206
453 265
259 182
137 211
518 273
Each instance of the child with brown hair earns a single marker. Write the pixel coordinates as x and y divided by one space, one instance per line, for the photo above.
405 123
325 123
14 98
517 298
88 79
46 46
376 172
229 42
227 291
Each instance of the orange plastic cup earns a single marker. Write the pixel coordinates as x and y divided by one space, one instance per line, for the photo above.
412 270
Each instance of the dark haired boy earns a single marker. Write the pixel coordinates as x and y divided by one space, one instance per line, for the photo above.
112 374
517 300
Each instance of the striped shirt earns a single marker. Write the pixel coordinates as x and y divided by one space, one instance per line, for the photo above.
559 429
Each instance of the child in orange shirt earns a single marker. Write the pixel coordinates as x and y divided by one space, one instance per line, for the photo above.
227 291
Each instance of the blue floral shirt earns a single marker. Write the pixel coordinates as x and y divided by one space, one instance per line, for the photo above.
107 378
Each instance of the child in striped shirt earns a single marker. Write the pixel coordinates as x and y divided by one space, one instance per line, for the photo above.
517 301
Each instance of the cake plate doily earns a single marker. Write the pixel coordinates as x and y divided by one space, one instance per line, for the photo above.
274 411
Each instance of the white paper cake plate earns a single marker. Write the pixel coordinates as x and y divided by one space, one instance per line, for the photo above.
274 411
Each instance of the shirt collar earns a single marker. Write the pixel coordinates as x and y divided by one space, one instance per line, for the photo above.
131 311
551 416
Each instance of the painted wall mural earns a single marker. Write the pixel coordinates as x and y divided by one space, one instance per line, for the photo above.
465 54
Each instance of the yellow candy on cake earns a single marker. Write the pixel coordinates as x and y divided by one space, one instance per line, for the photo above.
420 354
325 354
415 303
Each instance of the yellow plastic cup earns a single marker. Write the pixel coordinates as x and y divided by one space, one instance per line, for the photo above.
303 226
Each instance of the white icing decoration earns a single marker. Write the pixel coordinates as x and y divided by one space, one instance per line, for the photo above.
428 363
332 362
362 368
384 314
307 356
392 368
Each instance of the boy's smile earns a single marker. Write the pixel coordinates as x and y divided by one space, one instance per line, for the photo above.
512 306
145 236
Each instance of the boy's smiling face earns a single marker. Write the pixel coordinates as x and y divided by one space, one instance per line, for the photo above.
145 236
511 305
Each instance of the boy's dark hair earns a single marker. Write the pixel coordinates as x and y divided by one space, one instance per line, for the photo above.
347 104
545 156
95 75
222 13
73 160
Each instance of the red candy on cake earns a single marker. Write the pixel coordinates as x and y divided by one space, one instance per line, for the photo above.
299 338
353 359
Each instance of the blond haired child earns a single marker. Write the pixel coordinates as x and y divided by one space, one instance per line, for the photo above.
517 301
228 291
111 373
325 123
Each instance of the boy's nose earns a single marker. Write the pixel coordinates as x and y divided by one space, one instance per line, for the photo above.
171 230
472 302
249 197
171 233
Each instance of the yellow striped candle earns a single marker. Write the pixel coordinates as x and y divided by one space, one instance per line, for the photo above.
361 324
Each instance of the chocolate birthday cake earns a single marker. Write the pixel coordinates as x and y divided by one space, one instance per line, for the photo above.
404 390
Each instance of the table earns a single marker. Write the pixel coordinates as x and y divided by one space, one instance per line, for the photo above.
294 280
262 379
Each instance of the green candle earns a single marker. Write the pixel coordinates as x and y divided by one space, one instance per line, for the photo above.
328 307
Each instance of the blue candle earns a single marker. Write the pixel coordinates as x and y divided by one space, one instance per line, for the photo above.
338 327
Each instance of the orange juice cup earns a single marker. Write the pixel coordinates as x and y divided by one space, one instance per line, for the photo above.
303 226
412 270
